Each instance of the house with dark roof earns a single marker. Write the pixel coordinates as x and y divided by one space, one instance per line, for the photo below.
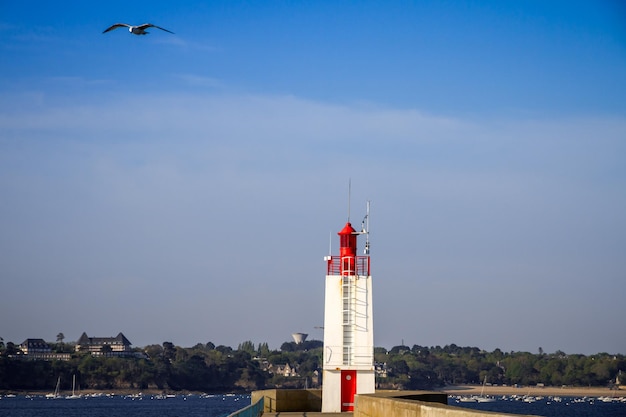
33 346
105 346
38 349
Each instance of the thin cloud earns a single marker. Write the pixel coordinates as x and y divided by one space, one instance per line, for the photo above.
75 81
167 187
181 42
200 81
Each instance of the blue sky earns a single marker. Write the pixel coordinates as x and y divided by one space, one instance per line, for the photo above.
182 187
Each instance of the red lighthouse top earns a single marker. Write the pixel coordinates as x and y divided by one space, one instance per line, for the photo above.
348 263
347 241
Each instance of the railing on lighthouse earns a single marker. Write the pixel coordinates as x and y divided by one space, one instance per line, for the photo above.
335 263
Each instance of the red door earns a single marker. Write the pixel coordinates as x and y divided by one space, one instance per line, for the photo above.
348 389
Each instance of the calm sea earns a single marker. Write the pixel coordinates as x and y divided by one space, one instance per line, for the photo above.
551 407
123 406
222 405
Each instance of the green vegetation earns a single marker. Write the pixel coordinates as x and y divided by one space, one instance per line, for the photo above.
424 367
210 368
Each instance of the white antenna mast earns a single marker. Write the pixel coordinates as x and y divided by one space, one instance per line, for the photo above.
330 247
330 243
349 192
365 228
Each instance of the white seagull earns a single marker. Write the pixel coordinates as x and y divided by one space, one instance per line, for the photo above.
137 30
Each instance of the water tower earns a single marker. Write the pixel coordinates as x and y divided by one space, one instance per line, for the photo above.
348 363
299 337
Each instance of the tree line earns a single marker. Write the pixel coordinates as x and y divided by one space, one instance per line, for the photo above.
212 369
423 367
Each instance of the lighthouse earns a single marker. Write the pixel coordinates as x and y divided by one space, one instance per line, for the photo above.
348 361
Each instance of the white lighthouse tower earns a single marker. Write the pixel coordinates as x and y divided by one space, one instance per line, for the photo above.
348 367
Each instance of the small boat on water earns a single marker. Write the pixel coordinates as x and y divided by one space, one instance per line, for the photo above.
74 396
467 399
56 390
483 398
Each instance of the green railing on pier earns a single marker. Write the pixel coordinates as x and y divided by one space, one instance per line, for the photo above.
253 410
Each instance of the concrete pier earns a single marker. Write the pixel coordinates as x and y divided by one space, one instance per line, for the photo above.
380 404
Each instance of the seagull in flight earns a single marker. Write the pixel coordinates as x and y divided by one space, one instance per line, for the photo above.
136 30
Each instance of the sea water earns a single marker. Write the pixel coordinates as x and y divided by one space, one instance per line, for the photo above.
550 406
223 405
123 406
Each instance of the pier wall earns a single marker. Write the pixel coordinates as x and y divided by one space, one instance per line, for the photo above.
380 404
413 404
289 400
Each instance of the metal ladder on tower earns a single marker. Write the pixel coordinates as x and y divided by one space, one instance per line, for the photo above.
349 311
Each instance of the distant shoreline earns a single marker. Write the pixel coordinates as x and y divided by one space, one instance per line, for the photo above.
535 391
121 392
465 390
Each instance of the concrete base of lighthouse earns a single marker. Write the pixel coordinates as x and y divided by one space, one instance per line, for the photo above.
339 387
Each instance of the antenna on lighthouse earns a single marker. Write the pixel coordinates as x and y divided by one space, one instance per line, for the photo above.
365 228
330 243
349 192
330 247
